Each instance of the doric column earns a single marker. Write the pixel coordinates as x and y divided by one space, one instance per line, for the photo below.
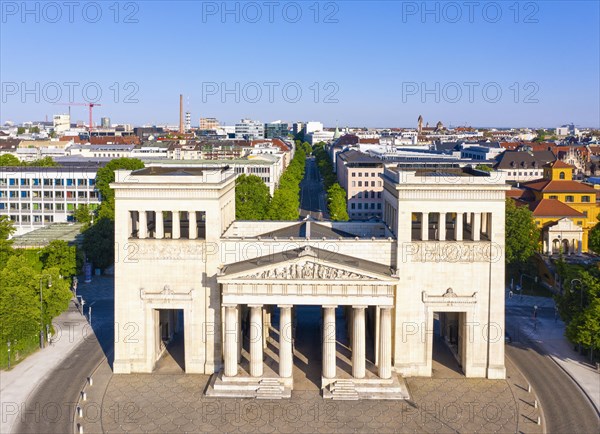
256 341
193 230
231 337
143 230
424 226
285 341
160 225
442 225
130 223
476 227
329 366
458 228
176 230
385 343
358 342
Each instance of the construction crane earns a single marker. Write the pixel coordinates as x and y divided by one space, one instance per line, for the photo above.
90 105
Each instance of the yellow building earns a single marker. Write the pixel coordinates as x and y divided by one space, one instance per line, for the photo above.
558 199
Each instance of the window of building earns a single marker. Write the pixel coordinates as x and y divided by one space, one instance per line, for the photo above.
352 206
359 205
378 206
585 214
372 183
359 195
360 174
353 183
553 197
378 195
585 199
379 183
360 183
579 223
569 199
561 175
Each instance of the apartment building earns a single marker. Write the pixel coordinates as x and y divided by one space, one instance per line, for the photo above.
360 175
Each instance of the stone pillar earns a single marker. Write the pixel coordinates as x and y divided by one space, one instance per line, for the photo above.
160 225
484 223
476 227
442 225
385 343
377 313
130 224
285 341
458 228
143 230
424 226
193 230
358 342
231 344
176 230
329 365
256 341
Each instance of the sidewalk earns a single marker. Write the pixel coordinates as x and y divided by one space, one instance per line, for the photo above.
549 334
17 384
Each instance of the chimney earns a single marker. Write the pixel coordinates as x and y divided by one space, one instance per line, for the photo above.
181 114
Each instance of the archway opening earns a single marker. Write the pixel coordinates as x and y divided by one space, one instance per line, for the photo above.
449 344
169 341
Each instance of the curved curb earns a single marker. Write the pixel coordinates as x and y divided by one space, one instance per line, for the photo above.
540 407
48 374
85 385
593 404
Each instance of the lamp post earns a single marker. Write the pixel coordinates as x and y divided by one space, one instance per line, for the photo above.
42 306
534 278
8 347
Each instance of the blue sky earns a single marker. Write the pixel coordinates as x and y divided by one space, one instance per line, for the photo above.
378 64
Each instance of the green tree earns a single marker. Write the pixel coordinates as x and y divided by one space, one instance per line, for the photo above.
106 175
284 205
251 198
20 307
584 329
594 238
83 214
6 230
522 234
43 162
99 243
336 201
58 254
484 167
9 160
20 130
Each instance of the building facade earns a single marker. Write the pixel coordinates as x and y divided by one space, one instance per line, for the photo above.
360 175
33 197
187 266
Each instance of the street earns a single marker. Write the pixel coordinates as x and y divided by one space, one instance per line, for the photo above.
565 407
312 196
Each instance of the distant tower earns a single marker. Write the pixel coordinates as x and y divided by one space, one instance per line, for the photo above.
181 131
420 124
188 121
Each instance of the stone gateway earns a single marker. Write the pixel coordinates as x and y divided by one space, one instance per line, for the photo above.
185 267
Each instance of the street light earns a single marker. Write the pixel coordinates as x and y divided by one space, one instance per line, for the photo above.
42 307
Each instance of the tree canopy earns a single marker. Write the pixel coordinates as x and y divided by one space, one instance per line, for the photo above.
251 198
285 204
58 254
106 175
522 234
594 238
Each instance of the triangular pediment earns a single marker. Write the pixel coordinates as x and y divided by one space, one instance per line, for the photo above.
306 264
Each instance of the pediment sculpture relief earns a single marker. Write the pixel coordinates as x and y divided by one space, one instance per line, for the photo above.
307 270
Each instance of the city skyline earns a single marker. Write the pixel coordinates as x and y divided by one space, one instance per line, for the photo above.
341 63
